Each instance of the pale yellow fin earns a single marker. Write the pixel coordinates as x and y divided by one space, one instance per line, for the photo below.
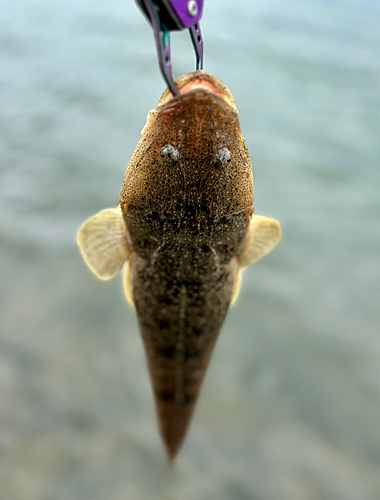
263 235
103 243
127 284
236 289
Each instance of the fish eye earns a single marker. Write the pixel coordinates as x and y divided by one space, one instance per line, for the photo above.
223 157
169 154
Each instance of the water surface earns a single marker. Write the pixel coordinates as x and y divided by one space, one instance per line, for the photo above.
291 403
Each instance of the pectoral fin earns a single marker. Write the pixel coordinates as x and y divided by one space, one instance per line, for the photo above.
104 244
127 284
263 235
237 288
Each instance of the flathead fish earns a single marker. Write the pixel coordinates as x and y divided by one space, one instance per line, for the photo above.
183 231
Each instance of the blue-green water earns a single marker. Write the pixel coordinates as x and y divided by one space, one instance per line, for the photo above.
290 409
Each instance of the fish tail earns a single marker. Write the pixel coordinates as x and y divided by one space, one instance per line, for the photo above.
180 323
176 385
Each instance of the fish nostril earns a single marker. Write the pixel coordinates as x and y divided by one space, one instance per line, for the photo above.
223 157
169 154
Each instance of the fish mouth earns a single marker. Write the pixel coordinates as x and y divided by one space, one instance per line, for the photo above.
200 80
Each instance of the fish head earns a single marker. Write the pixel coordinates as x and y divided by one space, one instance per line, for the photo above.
192 153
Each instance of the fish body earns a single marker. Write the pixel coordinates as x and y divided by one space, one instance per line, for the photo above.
184 229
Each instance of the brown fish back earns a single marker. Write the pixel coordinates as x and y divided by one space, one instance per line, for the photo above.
187 219
180 315
185 228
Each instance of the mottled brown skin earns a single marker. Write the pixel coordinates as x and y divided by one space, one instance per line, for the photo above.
186 222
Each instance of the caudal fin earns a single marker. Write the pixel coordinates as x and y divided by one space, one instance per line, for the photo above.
176 386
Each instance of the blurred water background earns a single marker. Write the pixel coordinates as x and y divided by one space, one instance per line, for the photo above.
290 409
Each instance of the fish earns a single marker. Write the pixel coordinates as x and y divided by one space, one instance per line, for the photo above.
183 230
